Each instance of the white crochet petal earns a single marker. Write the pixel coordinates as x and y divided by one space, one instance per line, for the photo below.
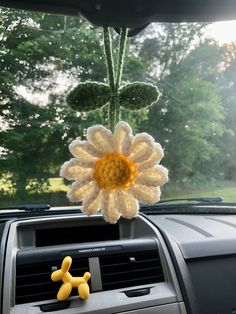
91 201
155 157
78 147
141 147
145 194
108 207
85 178
156 176
100 138
127 205
85 153
71 170
122 137
79 191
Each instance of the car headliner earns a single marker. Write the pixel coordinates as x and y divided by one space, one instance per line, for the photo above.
133 13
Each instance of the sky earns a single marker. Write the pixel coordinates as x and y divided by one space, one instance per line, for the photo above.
223 32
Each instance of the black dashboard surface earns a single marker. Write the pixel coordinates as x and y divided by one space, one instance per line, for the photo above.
208 245
200 235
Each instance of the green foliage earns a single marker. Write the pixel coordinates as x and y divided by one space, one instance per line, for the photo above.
88 96
36 49
227 82
164 45
189 120
194 119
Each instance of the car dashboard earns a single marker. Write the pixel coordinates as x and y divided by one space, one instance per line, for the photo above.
160 263
165 263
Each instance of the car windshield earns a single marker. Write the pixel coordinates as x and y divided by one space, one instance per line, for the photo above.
43 56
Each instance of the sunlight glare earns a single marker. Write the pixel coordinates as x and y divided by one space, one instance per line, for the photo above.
223 32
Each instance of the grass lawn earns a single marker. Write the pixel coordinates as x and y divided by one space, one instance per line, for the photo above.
56 184
56 195
227 193
226 190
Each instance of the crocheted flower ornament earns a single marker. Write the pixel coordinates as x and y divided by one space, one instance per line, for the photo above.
114 172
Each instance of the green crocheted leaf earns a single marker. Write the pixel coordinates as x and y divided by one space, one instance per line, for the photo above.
88 96
138 95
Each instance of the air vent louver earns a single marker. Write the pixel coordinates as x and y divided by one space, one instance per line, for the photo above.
130 269
33 282
123 264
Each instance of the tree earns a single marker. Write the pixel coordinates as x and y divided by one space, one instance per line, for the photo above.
227 163
37 48
189 118
163 46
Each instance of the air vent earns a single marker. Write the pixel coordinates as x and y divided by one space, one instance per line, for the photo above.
122 264
33 281
130 269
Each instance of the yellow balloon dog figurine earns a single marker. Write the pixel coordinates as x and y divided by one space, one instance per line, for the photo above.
70 282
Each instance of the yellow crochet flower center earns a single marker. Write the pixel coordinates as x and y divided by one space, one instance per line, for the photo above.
114 171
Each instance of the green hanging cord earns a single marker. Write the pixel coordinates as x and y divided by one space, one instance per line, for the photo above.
120 65
114 83
109 57
111 76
